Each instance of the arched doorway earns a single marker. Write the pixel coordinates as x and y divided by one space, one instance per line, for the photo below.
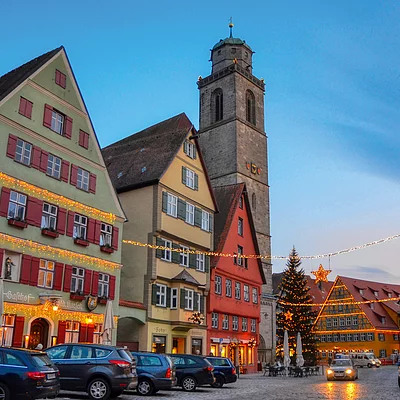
39 333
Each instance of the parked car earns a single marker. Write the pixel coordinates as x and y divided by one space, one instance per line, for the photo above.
224 371
101 371
342 369
365 360
155 372
192 371
27 374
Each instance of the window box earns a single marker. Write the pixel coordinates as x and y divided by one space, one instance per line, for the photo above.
17 222
50 232
81 242
103 300
77 296
107 249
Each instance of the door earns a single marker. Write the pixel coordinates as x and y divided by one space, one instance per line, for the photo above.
178 345
39 333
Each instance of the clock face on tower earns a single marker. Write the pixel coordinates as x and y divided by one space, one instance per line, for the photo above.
253 168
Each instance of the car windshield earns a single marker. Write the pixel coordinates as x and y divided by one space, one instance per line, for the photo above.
341 363
125 355
371 356
41 360
219 362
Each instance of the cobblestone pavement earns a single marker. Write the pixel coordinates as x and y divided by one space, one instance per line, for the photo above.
374 384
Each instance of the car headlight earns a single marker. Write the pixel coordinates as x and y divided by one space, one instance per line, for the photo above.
349 371
373 362
329 372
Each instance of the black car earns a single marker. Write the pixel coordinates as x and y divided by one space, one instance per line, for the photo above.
101 371
224 371
155 372
27 374
192 371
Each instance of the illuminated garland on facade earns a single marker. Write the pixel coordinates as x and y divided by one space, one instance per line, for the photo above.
338 302
43 194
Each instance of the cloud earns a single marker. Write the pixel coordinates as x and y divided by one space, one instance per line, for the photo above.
374 274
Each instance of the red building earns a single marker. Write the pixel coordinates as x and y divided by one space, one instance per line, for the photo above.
233 305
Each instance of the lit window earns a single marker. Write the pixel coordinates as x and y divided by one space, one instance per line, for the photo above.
57 122
200 262
205 221
161 295
23 152
172 205
46 274
54 166
16 206
189 296
190 213
80 223
97 334
104 285
77 280
7 329
166 254
214 320
72 332
83 179
49 217
105 235
184 257
218 284
174 298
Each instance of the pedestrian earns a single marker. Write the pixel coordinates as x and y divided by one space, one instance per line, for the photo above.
39 347
197 352
211 354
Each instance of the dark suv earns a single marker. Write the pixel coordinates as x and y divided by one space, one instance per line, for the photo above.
224 371
101 371
27 374
155 372
192 371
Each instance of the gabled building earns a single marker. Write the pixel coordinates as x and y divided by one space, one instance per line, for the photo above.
354 318
60 219
163 186
233 306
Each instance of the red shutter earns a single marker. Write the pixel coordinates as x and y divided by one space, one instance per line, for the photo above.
68 127
62 326
36 157
22 105
74 175
5 199
25 269
28 109
64 171
83 139
58 77
67 278
92 183
70 223
97 232
63 80
112 287
34 271
61 220
90 333
83 333
88 282
95 283
11 146
48 112
115 238
34 211
18 331
43 161
86 143
91 230
58 275
2 251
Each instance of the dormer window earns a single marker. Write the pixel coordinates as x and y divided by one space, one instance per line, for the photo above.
361 291
372 306
376 294
383 320
389 295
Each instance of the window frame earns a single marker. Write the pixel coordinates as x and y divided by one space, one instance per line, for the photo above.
80 226
174 298
49 216
240 226
72 332
21 155
235 323
190 178
255 295
46 269
161 295
238 290
244 324
18 204
52 164
106 231
218 284
200 262
189 299
82 179
253 325
104 285
225 322
214 320
205 220
57 124
184 257
166 255
77 279
246 293
189 217
172 205
228 285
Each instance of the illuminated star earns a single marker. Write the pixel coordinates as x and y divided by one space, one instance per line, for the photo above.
288 315
321 275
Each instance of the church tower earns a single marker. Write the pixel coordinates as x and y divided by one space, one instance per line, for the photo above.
234 145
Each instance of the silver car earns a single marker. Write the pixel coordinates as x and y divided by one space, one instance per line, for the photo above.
342 369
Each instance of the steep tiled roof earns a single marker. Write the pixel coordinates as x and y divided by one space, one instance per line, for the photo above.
12 79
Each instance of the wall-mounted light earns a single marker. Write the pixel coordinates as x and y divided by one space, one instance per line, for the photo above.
53 340
26 341
89 320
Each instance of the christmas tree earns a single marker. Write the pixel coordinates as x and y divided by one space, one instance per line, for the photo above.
292 317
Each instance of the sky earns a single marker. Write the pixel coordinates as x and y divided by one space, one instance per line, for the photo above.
332 98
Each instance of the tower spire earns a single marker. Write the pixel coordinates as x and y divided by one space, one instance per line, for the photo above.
230 27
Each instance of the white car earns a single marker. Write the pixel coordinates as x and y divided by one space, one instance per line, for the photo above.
342 369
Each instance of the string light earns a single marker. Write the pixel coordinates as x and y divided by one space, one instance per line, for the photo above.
43 194
337 302
54 252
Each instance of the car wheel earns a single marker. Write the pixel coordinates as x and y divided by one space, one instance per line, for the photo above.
369 365
145 387
189 384
219 382
98 389
4 392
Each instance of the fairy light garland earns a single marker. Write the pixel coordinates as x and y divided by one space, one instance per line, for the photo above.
43 194
337 302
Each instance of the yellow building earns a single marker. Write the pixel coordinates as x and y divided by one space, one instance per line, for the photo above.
164 189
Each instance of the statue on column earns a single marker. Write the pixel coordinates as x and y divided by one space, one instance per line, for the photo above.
8 270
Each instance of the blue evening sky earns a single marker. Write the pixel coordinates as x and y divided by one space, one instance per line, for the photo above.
332 102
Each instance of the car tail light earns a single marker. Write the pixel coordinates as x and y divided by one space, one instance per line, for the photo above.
120 363
209 369
168 374
36 375
234 371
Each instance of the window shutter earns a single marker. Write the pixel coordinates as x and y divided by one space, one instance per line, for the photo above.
207 264
22 105
164 201
83 139
18 331
90 333
196 182
68 127
58 77
202 304
195 302
184 175
181 209
5 200
97 232
197 217
34 211
11 146
246 264
92 183
194 151
182 299
159 242
63 80
74 175
48 112
62 326
88 281
185 146
70 223
64 170
154 294
61 220
25 269
35 162
67 278
91 230
34 271
168 297
115 234
211 223
44 158
2 251
112 287
28 109
176 257
83 332
95 283
58 275
192 260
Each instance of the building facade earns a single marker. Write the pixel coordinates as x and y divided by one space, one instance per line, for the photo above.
60 219
164 189
233 306
234 143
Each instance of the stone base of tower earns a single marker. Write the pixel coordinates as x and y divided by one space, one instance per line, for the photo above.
267 340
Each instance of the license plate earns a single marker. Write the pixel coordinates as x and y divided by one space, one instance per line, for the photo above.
51 376
339 374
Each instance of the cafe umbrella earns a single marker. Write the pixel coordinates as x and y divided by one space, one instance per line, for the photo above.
109 323
299 351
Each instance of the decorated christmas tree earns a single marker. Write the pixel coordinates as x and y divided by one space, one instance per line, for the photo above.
292 315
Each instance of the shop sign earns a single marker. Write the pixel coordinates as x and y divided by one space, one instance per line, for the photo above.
70 305
19 297
159 330
197 332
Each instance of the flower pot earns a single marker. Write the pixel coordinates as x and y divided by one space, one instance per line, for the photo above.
106 249
17 223
47 232
81 242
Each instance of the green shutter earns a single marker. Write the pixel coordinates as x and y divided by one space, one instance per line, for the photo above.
194 150
168 297
192 260
202 304
164 201
207 264
197 217
159 242
181 209
196 182
211 223
154 294
176 257
182 299
184 175
185 144
196 302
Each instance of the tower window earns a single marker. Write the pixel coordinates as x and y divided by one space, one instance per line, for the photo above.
250 107
217 105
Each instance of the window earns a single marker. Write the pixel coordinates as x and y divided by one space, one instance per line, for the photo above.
237 290
342 337
361 291
83 179
335 337
184 257
17 206
240 226
241 202
382 353
166 255
244 324
246 293
329 338
189 296
200 262
7 329
161 295
341 322
235 323
381 337
349 337
362 337
253 326
46 274
214 320
23 152
228 288
329 323
205 221
174 298
255 295
250 107
323 338
335 322
78 275
376 294
372 306
190 178
61 79
97 334
189 149
240 260
25 107
49 217
348 321
355 337
105 235
54 166
72 332
80 223
190 213
355 319
225 322
217 105
57 122
172 207
383 320
104 285
218 284
396 337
